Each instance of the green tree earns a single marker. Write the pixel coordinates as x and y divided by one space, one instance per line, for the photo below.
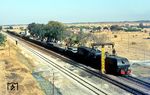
0 28
10 27
96 28
37 30
99 28
141 25
21 28
79 39
106 28
115 28
2 39
31 28
54 30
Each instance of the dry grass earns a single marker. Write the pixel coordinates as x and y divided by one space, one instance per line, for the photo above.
132 45
14 70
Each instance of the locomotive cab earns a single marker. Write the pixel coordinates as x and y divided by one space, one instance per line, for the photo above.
123 66
117 65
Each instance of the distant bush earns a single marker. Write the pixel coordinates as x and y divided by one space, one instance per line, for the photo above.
141 25
133 43
133 29
106 28
116 28
145 31
2 39
0 28
148 38
115 36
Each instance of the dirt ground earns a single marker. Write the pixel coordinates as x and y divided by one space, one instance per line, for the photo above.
134 46
13 70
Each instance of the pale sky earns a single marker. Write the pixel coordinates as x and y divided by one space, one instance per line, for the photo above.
42 11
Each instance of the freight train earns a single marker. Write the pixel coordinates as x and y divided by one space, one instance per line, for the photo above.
88 56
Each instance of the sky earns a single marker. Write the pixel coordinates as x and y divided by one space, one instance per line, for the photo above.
69 11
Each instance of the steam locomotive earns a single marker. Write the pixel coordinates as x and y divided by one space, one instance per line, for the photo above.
88 56
113 64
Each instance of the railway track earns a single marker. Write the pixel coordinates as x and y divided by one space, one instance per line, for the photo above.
104 77
139 81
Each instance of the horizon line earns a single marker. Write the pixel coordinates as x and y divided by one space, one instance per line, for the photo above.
84 22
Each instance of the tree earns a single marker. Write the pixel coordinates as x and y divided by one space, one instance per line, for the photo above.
21 28
96 28
0 28
54 30
73 39
37 30
115 28
132 29
141 25
31 28
10 27
82 38
106 28
99 28
2 39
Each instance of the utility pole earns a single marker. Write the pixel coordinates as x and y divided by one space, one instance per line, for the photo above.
53 83
128 42
9 48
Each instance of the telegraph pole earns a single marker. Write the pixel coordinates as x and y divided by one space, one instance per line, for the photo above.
9 48
128 42
53 82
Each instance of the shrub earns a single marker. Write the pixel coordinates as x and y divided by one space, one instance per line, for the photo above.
115 36
2 39
133 43
132 29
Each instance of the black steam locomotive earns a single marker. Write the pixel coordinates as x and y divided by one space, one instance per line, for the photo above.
113 64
